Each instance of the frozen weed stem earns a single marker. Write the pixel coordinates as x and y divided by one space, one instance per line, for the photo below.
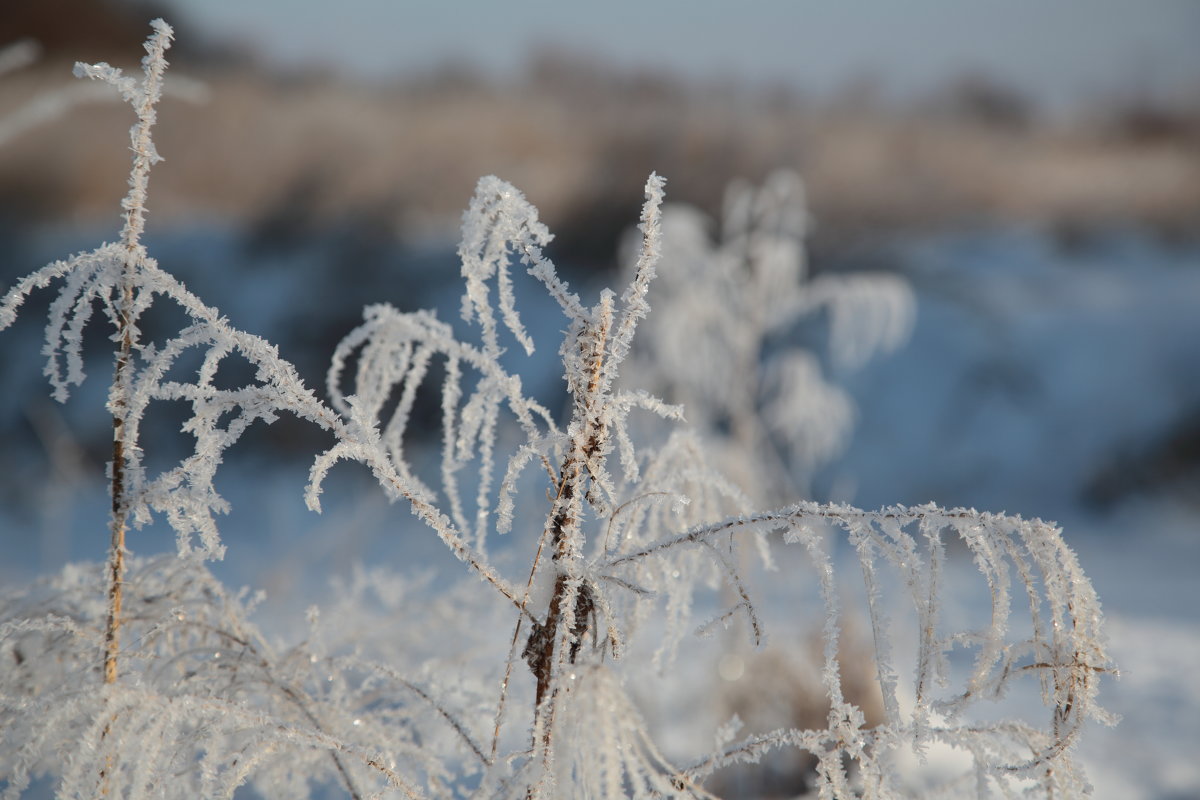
143 98
634 524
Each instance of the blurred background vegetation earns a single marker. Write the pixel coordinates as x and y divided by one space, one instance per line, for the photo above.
286 147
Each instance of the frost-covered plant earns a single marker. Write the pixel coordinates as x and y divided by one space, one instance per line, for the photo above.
152 638
145 678
753 344
203 701
52 105
763 404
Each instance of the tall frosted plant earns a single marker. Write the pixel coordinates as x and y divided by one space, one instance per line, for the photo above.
156 710
627 544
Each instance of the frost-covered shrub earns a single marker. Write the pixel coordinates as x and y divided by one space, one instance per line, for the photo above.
752 345
145 677
766 409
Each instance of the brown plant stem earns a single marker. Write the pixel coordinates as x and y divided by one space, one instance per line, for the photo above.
119 524
120 510
544 641
144 157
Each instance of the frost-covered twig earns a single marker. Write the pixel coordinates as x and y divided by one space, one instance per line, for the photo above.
143 98
1066 645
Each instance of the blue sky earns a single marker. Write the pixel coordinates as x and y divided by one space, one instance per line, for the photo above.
1059 52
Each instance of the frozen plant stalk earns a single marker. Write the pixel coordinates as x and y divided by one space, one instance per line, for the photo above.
143 97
